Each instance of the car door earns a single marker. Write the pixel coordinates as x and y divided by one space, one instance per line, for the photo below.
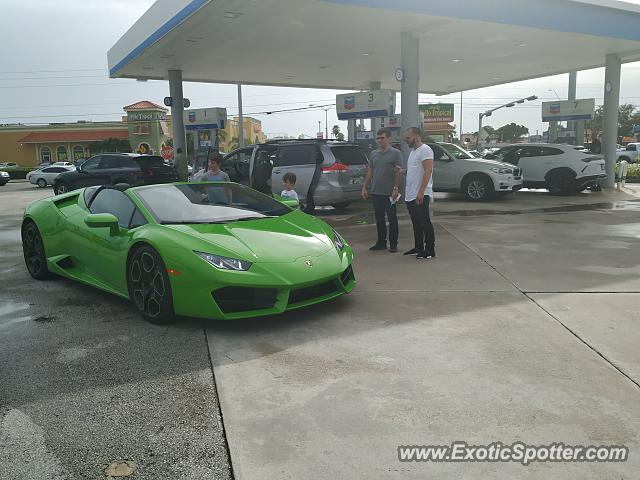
536 161
236 165
445 172
88 173
301 160
104 255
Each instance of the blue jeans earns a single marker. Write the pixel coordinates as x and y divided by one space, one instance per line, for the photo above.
382 206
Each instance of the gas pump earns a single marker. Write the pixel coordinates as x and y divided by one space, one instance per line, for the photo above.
205 123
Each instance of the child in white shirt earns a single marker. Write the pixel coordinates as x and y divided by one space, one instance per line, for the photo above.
288 181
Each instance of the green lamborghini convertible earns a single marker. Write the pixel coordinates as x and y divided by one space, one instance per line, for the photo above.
209 250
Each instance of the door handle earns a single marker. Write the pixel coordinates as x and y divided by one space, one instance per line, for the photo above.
277 171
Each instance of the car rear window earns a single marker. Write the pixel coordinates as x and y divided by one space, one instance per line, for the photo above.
349 155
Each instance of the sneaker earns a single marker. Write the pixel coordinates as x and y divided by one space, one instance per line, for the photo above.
378 246
393 249
413 251
425 255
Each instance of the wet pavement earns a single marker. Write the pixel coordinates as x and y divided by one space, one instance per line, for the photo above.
524 327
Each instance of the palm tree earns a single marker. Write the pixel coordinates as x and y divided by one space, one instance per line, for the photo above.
335 131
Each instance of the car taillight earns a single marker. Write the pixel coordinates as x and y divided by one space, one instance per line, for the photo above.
336 167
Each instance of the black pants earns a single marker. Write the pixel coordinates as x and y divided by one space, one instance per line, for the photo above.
382 206
423 234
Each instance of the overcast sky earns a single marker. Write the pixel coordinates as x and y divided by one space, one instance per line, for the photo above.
54 69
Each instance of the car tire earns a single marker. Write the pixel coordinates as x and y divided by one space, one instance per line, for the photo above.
625 159
60 188
561 183
149 286
340 206
33 251
478 188
41 183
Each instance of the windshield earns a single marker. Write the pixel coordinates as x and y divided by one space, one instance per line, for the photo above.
208 203
456 151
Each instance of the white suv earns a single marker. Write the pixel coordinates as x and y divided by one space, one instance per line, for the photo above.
456 170
631 153
561 169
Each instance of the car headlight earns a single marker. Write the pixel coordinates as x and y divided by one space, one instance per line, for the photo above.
4 174
502 171
224 263
338 241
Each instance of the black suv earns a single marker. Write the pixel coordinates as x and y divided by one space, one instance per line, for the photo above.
112 168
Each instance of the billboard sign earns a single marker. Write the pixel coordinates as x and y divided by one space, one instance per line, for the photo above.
205 119
436 112
376 103
564 110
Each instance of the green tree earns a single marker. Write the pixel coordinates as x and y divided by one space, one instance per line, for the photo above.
511 131
335 131
340 136
627 118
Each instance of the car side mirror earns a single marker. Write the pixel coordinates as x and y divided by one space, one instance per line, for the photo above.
101 220
490 156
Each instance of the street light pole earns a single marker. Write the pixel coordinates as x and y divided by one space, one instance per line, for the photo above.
488 113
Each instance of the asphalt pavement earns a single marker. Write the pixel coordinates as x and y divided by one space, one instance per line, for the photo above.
523 328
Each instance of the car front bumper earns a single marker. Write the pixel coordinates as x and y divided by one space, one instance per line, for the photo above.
265 289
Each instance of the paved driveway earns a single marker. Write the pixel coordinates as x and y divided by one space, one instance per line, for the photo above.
524 328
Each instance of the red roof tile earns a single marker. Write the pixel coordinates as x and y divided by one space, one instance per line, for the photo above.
144 105
74 136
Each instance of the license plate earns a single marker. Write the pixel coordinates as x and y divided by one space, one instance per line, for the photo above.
356 180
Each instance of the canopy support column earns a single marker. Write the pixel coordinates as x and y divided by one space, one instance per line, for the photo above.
409 103
610 120
177 118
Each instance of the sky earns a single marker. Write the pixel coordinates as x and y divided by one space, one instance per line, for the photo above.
54 69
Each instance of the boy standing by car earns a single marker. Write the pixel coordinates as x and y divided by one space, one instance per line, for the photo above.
384 174
214 174
289 181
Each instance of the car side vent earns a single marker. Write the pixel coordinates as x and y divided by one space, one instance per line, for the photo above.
65 263
66 201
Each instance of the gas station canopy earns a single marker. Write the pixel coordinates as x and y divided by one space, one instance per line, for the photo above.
350 44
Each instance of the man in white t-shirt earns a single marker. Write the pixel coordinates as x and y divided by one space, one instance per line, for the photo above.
418 192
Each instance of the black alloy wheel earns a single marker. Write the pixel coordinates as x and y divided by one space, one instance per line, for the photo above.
61 188
149 286
33 251
561 183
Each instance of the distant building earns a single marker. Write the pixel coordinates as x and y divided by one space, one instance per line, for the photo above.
230 135
146 126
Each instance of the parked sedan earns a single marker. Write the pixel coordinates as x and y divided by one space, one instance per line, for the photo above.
4 178
44 176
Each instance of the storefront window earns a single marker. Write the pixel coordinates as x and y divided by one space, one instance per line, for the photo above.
78 153
45 155
61 154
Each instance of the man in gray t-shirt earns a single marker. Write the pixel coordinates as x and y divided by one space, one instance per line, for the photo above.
384 174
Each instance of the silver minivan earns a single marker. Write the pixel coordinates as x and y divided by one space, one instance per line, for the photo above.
327 172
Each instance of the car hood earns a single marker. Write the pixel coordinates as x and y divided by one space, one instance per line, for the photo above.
268 240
